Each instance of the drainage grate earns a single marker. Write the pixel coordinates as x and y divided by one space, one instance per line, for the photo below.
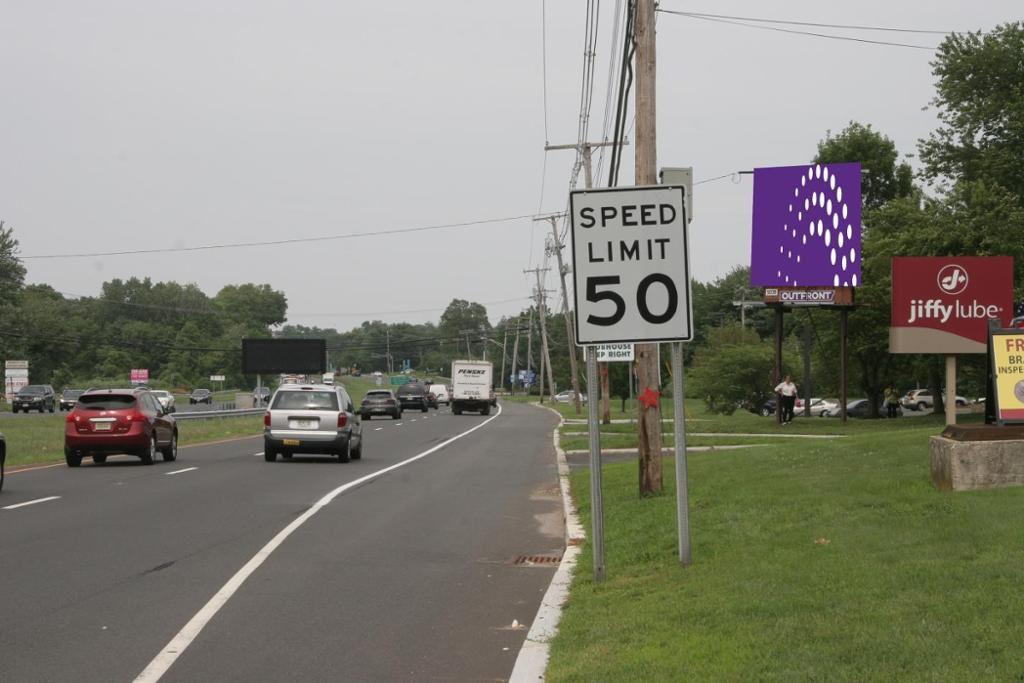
537 559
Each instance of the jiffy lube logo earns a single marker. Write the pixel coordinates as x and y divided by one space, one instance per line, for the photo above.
943 304
952 279
806 226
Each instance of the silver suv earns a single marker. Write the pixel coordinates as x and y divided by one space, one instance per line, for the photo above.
312 418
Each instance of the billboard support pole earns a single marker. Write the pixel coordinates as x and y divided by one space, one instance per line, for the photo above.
596 499
843 315
950 390
778 362
682 492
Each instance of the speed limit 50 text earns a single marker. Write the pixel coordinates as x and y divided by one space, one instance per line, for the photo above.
630 265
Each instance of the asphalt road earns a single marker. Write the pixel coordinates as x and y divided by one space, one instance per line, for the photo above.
409 576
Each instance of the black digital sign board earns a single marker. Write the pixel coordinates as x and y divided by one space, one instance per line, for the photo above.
293 356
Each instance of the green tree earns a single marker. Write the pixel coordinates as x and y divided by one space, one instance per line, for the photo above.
732 369
260 306
980 106
465 319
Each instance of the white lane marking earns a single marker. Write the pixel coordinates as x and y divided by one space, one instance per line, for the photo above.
414 419
397 424
256 455
378 429
187 469
30 502
190 631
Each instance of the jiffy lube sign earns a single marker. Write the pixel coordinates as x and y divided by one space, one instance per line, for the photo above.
806 226
943 304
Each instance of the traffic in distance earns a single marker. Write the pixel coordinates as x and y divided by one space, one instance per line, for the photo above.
309 415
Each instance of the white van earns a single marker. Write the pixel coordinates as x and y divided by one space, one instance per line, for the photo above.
441 391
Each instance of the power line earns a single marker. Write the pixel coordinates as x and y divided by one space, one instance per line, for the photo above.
296 240
851 27
412 310
690 15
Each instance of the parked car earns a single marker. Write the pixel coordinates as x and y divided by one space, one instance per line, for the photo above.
313 418
441 392
34 397
767 408
921 399
413 395
380 402
567 397
819 406
69 397
201 396
129 421
3 459
166 399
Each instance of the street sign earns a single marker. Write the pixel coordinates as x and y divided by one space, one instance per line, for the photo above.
631 266
1007 357
399 380
216 378
16 365
612 353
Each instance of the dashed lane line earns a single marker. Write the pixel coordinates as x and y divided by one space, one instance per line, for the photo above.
187 469
30 502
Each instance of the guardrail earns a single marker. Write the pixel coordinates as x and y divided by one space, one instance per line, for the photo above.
218 413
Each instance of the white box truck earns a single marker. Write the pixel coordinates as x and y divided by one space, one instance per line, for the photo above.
471 386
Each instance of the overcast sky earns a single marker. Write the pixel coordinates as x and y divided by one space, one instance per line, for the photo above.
137 125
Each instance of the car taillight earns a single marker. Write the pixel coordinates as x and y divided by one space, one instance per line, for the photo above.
266 419
342 420
391 401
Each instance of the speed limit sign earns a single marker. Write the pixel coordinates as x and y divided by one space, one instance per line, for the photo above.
631 265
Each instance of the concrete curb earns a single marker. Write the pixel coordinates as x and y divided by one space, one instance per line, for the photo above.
670 451
532 661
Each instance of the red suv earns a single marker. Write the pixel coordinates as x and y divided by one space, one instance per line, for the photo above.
130 421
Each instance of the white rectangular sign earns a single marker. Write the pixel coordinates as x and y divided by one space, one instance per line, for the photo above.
16 373
216 378
631 265
612 353
16 364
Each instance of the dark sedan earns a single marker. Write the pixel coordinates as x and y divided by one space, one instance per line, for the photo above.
201 396
3 459
380 402
69 397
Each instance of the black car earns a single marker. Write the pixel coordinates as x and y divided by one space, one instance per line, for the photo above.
3 459
69 397
201 396
413 395
380 402
34 397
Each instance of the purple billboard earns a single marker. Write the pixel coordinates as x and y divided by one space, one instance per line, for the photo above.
806 226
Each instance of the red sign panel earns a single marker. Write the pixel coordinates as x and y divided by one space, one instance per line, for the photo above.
140 375
942 304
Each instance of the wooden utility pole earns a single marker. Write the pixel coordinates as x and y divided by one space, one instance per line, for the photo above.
647 355
515 355
529 346
556 246
542 314
584 150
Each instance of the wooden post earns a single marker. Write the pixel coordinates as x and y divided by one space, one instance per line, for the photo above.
950 390
843 331
606 407
778 362
647 355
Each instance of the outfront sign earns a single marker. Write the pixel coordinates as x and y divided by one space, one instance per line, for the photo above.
809 296
1008 374
806 226
943 304
631 270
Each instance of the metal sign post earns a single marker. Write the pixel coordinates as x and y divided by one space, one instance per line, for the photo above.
596 500
682 490
632 285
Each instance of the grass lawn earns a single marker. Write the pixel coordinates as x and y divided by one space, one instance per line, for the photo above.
823 560
41 439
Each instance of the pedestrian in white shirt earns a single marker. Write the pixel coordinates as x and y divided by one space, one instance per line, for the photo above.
787 398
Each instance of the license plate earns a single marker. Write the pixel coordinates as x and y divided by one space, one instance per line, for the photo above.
291 442
304 424
102 426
